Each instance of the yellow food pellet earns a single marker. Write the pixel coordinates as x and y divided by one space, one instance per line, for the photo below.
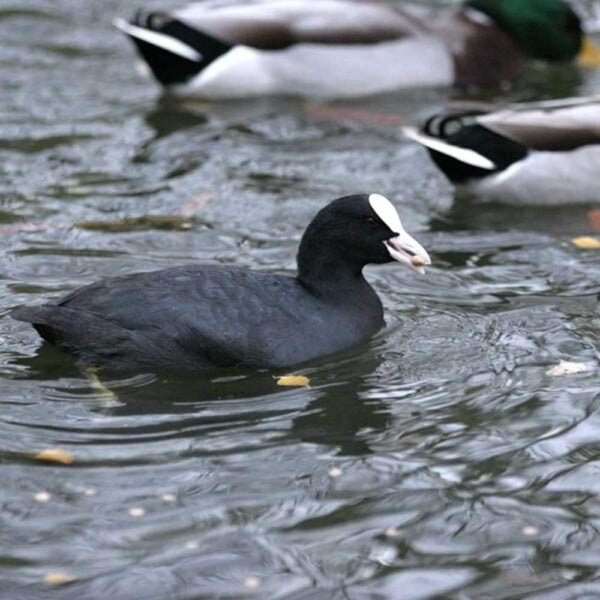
58 578
169 498
335 472
417 261
42 497
392 532
294 381
589 55
90 491
57 455
137 511
191 545
530 531
252 582
586 242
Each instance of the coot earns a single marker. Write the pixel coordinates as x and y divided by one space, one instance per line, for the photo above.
197 317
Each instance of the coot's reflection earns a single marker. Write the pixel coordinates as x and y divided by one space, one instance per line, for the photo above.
335 411
343 416
340 418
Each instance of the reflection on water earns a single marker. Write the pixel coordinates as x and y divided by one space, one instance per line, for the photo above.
439 460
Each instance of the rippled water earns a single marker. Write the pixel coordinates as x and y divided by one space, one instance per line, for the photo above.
440 460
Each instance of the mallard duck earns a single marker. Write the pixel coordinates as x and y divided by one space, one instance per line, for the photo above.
342 48
533 153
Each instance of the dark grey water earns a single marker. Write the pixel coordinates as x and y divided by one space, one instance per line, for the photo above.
438 461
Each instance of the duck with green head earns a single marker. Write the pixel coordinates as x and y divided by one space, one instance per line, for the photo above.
492 40
337 48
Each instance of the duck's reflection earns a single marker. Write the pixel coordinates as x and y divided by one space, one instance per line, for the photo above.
170 114
469 214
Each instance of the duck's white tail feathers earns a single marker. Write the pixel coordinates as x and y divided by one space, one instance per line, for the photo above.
464 149
174 51
160 40
463 155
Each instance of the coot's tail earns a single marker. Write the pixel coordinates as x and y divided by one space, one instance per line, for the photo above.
174 51
70 329
51 322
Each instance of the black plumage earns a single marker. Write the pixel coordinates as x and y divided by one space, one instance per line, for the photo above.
196 317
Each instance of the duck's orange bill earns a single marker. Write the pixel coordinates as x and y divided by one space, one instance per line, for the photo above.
589 55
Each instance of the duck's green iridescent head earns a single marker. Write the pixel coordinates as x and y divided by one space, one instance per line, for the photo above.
545 29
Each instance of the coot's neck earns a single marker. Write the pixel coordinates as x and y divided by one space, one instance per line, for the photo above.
326 270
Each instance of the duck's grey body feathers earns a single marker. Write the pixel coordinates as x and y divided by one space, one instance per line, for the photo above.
274 47
324 71
330 48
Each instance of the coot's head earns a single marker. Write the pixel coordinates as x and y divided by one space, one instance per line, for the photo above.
545 29
357 230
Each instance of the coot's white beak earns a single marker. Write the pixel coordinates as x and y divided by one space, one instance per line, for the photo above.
406 250
402 247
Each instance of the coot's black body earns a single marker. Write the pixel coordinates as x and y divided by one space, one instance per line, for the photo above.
197 317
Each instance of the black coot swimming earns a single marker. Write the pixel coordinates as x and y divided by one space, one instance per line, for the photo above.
198 317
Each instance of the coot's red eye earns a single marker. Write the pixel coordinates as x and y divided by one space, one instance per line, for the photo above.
372 223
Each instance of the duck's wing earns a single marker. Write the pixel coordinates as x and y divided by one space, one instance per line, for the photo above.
276 25
552 125
179 44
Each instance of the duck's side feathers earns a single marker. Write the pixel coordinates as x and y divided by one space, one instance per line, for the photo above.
174 51
544 179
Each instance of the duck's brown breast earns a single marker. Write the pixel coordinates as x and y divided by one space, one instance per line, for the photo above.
483 54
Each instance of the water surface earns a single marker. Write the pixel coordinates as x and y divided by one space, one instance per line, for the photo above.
439 460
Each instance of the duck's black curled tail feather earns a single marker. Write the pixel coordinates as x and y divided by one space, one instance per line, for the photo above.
464 133
174 51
